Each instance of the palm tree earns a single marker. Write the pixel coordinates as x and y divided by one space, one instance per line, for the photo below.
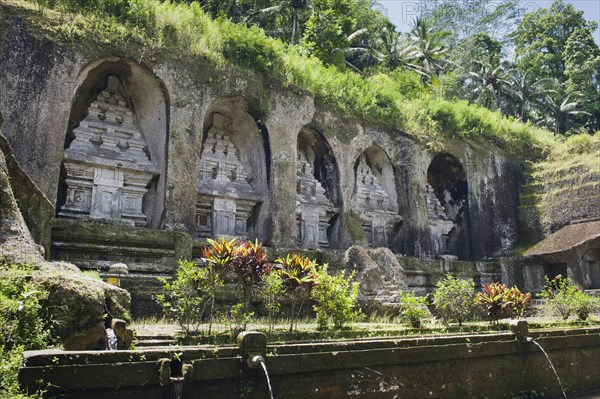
426 49
558 107
293 5
490 83
528 93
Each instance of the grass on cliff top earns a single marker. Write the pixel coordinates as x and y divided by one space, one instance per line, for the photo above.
571 158
395 100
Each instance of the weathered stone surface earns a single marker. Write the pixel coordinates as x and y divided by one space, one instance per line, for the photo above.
457 366
79 303
107 168
16 243
367 271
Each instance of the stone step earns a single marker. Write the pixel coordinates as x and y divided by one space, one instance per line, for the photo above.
149 343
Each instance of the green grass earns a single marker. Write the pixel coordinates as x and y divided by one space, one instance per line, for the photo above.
152 29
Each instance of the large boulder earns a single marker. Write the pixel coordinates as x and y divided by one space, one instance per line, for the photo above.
367 272
390 268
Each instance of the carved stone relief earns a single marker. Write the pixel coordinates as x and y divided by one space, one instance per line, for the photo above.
225 198
439 223
313 209
107 166
373 206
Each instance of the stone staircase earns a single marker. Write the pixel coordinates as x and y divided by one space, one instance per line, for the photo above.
154 336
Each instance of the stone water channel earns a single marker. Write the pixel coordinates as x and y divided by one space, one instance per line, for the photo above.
496 365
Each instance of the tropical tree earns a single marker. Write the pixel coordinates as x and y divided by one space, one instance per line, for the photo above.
299 274
557 108
541 38
426 50
528 94
490 83
280 9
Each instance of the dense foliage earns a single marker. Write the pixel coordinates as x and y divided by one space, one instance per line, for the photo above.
24 324
335 299
346 54
497 300
189 298
562 299
454 299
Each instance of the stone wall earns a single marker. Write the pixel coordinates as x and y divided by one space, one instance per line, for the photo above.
476 365
293 173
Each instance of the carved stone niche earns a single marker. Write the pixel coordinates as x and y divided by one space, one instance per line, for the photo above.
225 198
439 223
313 209
373 206
107 165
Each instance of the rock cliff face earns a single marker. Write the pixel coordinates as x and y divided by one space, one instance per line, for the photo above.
291 173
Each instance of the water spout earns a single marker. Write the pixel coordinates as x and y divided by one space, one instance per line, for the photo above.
264 368
529 339
177 388
112 342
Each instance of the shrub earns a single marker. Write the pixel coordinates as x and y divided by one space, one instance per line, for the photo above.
249 263
497 299
563 299
188 295
454 299
299 275
411 309
271 295
335 298
24 324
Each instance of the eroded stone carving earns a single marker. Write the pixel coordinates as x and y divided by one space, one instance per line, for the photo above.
107 164
313 209
439 223
225 198
372 204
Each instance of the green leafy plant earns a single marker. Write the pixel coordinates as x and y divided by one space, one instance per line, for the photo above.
558 294
516 303
24 324
188 295
454 299
271 295
411 309
584 304
492 300
239 318
249 263
299 276
216 256
562 299
335 298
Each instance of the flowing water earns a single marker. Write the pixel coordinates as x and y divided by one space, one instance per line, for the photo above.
552 366
178 389
111 340
264 367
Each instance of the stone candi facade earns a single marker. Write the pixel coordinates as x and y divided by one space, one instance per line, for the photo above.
372 204
107 165
225 198
313 209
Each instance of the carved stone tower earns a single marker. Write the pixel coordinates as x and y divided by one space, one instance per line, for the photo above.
372 204
313 208
107 165
225 198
